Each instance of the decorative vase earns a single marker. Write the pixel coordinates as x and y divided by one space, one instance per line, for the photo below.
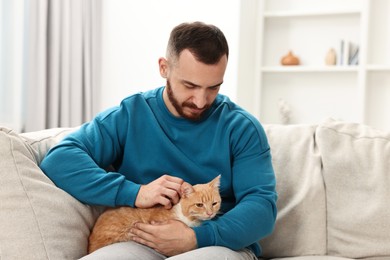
289 59
330 58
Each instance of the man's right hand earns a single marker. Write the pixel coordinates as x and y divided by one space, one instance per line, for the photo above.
164 191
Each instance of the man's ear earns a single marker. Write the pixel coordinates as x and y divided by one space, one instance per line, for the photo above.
163 66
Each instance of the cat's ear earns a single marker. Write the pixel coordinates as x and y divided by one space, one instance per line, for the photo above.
216 182
186 189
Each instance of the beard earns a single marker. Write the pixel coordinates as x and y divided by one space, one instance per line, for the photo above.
180 107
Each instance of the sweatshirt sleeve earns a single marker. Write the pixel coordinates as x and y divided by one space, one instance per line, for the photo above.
77 163
253 179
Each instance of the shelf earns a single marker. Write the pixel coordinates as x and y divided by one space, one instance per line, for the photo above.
314 90
307 13
277 69
379 68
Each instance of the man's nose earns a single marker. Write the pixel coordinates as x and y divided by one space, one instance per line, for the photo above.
200 99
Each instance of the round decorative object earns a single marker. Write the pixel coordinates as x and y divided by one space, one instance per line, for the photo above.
290 59
330 58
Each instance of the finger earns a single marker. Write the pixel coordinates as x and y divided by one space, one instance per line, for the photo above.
156 223
140 234
143 234
164 201
172 182
173 186
144 229
173 179
172 195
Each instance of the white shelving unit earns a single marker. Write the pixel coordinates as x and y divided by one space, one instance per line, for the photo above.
312 90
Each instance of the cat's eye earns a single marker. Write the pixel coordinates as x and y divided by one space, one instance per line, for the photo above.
199 205
215 203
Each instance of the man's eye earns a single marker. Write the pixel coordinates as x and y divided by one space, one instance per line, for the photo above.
188 84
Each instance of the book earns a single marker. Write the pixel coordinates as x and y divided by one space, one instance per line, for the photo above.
341 53
354 56
346 53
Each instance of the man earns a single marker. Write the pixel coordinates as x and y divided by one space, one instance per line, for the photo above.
155 140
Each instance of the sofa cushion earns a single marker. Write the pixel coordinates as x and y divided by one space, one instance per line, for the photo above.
356 168
37 219
301 222
42 141
322 257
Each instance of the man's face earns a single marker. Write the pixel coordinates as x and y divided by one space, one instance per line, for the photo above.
192 86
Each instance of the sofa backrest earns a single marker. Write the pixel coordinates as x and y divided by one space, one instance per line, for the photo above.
42 141
356 170
301 221
333 181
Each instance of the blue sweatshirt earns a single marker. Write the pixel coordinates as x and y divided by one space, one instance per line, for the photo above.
142 141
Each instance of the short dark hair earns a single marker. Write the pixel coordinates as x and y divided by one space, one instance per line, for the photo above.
205 41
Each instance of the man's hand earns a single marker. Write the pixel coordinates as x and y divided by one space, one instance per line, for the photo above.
164 191
168 238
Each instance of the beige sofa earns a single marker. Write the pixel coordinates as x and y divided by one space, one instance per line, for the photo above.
333 181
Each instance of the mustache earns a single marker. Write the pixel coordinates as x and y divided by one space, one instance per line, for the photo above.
192 105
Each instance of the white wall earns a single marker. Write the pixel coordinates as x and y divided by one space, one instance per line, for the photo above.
135 34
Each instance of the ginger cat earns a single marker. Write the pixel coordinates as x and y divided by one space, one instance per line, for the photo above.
197 203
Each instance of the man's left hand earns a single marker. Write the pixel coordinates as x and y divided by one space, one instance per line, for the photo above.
168 238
